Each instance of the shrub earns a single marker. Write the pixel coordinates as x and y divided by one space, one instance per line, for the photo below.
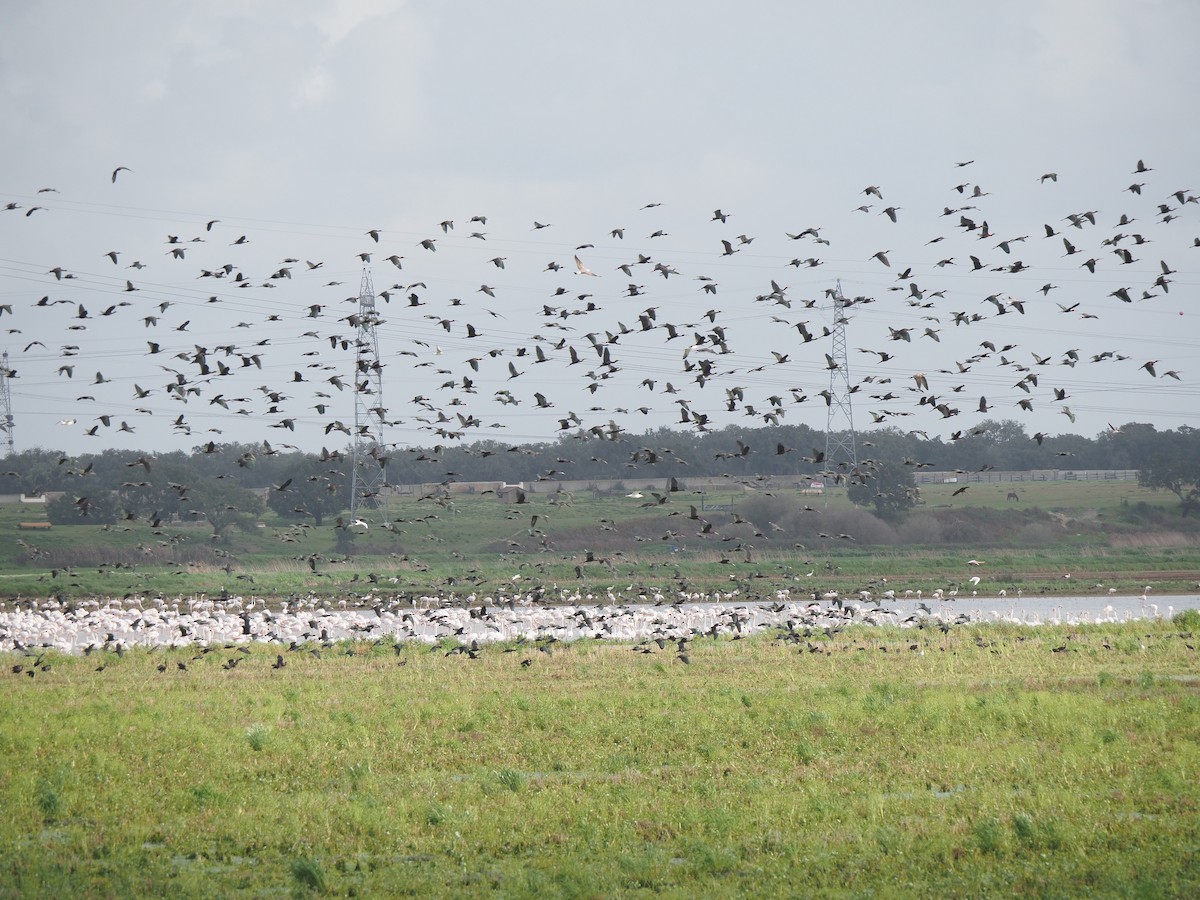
511 779
1022 826
257 736
921 528
48 799
989 837
1036 534
1188 619
309 873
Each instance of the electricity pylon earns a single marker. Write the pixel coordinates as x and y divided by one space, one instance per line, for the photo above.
841 449
6 413
368 459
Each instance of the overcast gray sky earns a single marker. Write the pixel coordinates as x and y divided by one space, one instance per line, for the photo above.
302 125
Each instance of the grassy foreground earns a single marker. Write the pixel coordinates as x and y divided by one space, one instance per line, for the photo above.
985 761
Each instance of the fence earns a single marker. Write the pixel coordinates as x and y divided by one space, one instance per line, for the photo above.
1031 475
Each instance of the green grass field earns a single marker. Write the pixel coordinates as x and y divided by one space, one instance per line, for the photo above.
987 761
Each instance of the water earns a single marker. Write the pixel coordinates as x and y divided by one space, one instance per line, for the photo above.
1060 609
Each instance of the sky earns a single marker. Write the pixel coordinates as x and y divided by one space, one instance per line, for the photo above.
251 134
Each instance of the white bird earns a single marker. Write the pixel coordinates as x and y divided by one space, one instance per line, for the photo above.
581 269
359 523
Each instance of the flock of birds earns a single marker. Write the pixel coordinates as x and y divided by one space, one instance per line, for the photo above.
196 336
313 624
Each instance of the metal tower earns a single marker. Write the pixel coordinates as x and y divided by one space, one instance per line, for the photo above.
6 413
841 451
368 461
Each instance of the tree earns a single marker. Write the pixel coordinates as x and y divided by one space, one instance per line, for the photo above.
891 488
1173 463
1129 445
159 488
344 538
314 490
223 504
34 472
96 508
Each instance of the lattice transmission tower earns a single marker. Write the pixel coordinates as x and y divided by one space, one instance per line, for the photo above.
368 457
6 413
841 449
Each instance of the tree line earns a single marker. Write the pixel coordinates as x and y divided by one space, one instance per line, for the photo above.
224 482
